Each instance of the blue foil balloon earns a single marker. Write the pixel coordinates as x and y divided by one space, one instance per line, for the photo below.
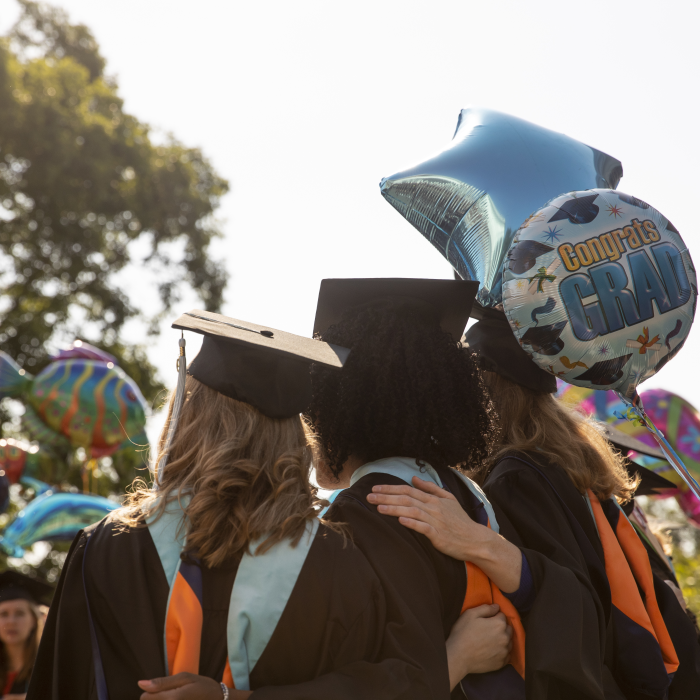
471 198
53 516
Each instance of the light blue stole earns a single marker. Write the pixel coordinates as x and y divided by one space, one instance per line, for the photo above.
405 468
260 591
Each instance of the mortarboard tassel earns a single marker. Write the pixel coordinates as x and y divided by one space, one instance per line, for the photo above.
177 406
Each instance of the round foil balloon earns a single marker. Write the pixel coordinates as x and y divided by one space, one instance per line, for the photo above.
469 200
600 290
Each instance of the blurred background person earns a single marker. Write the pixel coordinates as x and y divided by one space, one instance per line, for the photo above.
21 623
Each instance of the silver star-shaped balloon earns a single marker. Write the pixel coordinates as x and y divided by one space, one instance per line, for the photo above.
470 200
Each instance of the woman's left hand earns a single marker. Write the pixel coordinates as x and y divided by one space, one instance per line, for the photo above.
437 514
187 686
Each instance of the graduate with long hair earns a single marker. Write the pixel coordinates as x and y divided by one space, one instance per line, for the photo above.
602 625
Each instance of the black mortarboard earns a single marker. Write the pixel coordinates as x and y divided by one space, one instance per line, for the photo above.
498 351
605 372
650 481
449 300
16 586
625 443
261 366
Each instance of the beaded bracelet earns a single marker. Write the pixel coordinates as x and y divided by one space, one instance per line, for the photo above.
224 689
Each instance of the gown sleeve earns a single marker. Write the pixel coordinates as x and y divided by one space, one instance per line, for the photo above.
566 625
128 595
411 659
63 666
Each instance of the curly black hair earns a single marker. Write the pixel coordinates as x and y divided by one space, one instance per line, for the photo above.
408 389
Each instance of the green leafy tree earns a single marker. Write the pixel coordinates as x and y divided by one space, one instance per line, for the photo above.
81 181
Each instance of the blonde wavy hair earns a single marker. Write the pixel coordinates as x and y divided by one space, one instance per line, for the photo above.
247 476
535 422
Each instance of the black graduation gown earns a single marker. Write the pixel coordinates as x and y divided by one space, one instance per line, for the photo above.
335 619
424 588
568 643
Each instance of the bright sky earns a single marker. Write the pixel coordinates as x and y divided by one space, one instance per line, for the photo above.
304 106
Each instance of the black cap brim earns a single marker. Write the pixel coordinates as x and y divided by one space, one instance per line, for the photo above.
261 366
628 442
498 351
452 300
650 483
263 338
17 586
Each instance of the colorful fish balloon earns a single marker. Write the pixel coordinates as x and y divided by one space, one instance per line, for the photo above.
78 402
18 458
82 350
471 198
53 517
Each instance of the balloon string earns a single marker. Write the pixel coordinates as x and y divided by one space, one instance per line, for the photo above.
636 414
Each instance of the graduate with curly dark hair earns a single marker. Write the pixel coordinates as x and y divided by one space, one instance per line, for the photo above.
402 392
410 404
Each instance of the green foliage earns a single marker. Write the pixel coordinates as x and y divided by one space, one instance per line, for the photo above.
683 539
80 181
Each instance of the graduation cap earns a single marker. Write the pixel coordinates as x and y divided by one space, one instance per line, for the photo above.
650 482
625 443
448 301
498 351
579 210
17 586
523 255
545 340
258 365
261 366
605 372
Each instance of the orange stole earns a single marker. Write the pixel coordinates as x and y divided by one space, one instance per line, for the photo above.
482 591
628 569
183 624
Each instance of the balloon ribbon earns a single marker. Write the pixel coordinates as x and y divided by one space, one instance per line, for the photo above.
636 414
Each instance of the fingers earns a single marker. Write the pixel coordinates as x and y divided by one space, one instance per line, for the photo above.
487 610
430 488
158 685
406 512
401 491
419 526
396 500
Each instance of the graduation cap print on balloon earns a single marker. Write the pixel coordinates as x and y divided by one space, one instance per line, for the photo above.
611 301
470 199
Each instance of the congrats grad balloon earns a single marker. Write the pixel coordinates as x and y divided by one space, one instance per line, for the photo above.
600 290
